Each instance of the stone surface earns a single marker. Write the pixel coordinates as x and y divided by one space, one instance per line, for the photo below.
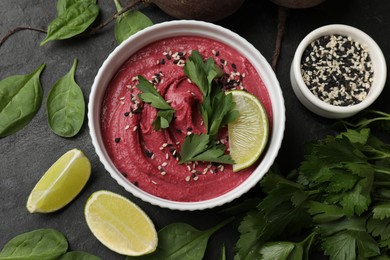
26 155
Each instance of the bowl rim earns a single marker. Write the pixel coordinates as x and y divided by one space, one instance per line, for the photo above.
357 35
180 28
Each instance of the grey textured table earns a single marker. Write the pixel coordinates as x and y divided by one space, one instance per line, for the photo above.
26 155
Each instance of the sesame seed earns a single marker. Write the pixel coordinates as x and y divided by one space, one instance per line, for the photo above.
164 164
196 178
188 178
163 173
135 128
127 127
189 167
154 182
117 140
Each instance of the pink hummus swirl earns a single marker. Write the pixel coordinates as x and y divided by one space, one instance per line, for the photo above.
149 158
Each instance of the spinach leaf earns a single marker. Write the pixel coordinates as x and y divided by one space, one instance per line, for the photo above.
181 241
129 23
20 100
78 255
63 5
35 245
75 20
65 105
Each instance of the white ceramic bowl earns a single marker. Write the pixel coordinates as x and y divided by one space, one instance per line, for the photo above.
180 28
310 101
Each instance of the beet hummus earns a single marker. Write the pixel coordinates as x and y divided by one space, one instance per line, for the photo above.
149 158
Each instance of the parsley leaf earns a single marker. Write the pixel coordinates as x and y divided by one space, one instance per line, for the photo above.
217 109
202 73
151 96
200 148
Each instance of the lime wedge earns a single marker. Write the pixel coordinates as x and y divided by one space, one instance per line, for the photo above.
61 183
119 224
248 134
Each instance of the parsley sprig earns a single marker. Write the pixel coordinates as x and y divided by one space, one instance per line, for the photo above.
217 109
151 96
338 199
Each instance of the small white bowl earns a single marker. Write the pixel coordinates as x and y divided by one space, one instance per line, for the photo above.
181 28
319 107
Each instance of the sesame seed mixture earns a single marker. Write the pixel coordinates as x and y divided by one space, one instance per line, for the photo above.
337 70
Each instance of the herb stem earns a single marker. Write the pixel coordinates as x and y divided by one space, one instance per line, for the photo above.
382 183
18 29
130 5
282 18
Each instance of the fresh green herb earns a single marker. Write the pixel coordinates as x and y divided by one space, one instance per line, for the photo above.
65 105
181 241
151 96
20 100
217 110
72 20
202 73
338 198
201 148
35 245
78 255
129 23
63 5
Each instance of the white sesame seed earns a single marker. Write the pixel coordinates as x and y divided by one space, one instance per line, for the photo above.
163 172
135 128
166 156
196 178
188 178
164 144
189 133
154 182
127 127
164 164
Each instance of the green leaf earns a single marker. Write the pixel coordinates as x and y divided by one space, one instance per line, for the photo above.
181 241
129 23
78 255
250 241
340 246
35 245
356 201
63 5
151 96
198 148
323 213
65 105
379 227
75 20
276 250
20 100
381 211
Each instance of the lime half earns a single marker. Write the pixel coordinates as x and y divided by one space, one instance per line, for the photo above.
61 183
119 224
248 134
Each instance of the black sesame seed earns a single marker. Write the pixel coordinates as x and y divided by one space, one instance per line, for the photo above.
162 61
117 140
148 153
217 54
234 66
126 113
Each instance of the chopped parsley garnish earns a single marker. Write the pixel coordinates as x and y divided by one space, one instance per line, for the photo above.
201 148
217 110
151 96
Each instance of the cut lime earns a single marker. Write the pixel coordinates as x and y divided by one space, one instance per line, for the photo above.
119 224
61 183
248 134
